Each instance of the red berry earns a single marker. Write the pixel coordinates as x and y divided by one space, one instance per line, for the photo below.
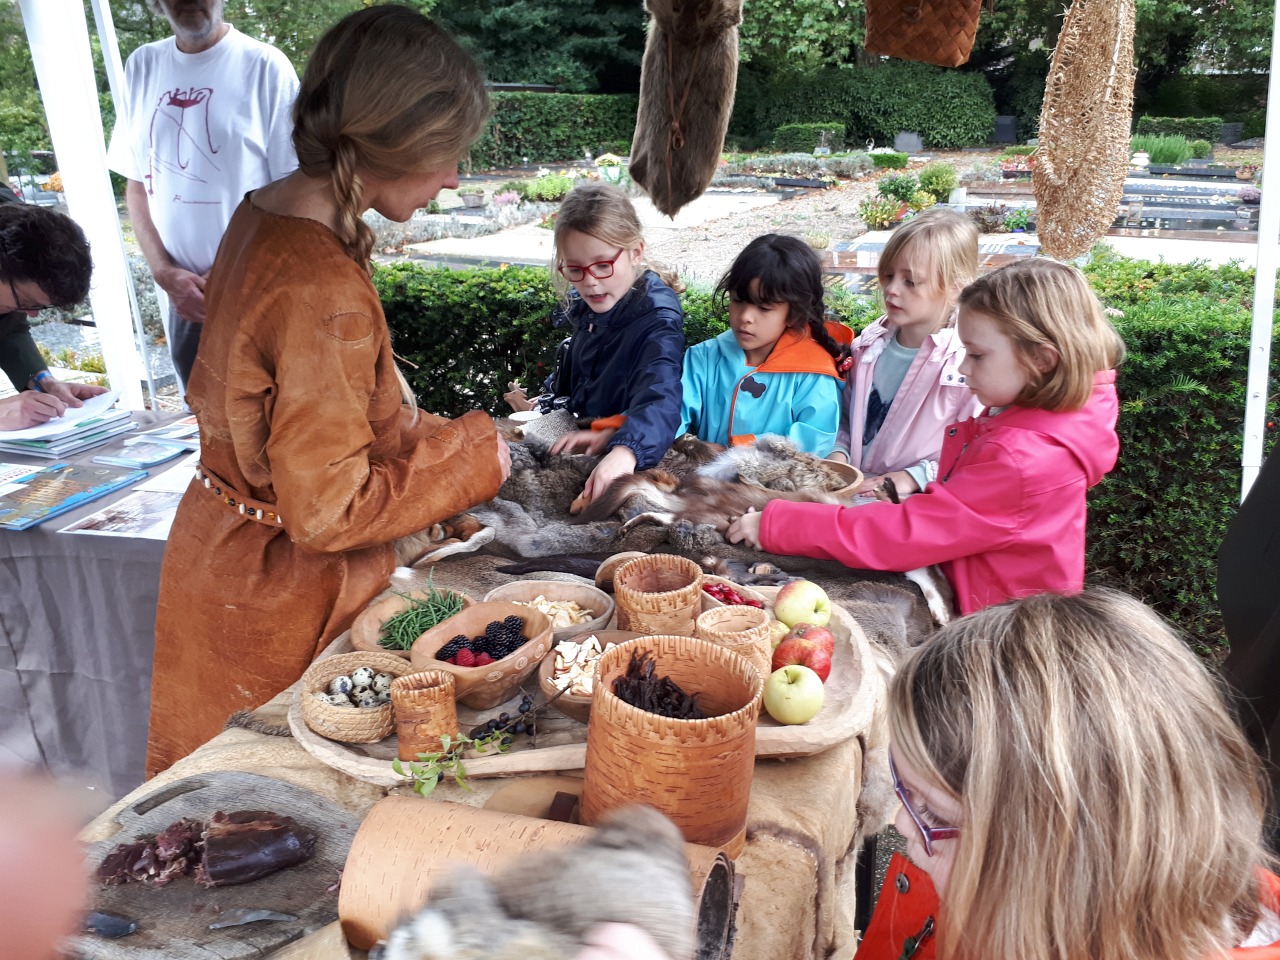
483 659
465 658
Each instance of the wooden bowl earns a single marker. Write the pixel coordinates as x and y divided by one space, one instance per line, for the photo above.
348 724
483 687
367 627
576 706
711 603
597 602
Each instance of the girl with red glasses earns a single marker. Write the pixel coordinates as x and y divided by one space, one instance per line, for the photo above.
621 368
1075 788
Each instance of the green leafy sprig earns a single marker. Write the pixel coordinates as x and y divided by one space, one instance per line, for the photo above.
426 773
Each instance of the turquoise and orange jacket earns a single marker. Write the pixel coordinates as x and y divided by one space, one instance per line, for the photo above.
795 393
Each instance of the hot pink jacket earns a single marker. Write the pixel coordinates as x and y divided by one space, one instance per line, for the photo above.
1005 517
932 396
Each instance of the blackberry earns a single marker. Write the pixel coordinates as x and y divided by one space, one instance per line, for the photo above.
451 648
513 623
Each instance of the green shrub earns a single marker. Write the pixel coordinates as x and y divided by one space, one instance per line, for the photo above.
938 179
1169 150
880 212
1255 125
1229 96
898 186
795 137
551 127
1193 128
1018 150
889 161
948 108
1200 149
920 200
548 188
988 219
1156 521
1017 219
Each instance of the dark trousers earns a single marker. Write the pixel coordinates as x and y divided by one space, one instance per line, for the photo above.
184 341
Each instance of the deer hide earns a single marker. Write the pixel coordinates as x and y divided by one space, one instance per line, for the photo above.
686 95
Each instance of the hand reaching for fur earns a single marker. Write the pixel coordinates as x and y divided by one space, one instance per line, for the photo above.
618 462
590 442
903 483
620 941
745 529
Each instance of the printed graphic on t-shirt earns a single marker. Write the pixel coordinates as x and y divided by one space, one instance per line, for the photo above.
877 410
753 387
181 144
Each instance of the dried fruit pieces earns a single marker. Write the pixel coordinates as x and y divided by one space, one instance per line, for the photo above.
727 595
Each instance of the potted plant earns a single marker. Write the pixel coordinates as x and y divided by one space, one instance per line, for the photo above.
1247 171
1017 167
610 167
1249 195
1016 220
471 197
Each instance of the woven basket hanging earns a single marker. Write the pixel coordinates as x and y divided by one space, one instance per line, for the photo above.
1083 155
940 32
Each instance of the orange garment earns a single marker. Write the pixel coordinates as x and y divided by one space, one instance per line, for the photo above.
299 407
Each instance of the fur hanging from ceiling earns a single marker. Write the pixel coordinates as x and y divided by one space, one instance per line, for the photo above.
687 83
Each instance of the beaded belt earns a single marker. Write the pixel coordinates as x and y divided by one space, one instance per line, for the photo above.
246 506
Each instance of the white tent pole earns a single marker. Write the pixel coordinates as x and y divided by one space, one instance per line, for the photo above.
59 40
1264 283
115 79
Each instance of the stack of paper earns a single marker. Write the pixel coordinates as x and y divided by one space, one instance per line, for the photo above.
78 429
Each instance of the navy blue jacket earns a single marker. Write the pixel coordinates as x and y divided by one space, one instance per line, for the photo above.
627 361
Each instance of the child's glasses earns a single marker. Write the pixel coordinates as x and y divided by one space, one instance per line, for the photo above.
929 835
601 269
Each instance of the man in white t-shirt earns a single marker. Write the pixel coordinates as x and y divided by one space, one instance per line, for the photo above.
205 119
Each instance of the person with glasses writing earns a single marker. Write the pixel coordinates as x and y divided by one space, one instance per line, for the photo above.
1074 787
44 262
621 368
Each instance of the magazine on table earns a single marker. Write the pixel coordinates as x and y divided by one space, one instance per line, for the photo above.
141 451
185 431
48 491
147 514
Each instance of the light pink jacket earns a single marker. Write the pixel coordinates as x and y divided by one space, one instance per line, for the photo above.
932 396
1005 518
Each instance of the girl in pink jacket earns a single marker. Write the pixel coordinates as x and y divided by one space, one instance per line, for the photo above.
1006 516
905 385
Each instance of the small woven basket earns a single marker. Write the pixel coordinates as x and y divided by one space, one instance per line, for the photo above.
940 32
424 710
697 772
348 724
744 630
708 602
658 594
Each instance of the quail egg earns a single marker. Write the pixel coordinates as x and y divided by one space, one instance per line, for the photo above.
339 700
341 686
367 699
362 676
359 690
384 696
382 682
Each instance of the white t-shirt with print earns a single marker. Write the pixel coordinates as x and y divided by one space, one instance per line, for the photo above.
200 130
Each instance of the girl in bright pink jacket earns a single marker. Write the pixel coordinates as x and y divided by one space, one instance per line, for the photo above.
905 384
1006 516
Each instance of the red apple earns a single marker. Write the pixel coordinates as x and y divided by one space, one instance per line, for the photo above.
805 653
819 635
777 630
793 694
802 601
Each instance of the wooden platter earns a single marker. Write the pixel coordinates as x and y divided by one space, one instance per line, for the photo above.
562 743
173 920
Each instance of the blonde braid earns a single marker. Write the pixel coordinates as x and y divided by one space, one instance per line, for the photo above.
356 235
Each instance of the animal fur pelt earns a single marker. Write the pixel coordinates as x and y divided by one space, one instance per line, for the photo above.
716 492
687 82
631 870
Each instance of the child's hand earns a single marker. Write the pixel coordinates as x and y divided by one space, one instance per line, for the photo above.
591 442
618 462
746 529
903 484
836 456
516 398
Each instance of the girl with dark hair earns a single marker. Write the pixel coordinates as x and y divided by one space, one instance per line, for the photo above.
774 371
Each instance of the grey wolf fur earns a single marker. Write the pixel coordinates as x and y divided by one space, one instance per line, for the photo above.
687 83
632 870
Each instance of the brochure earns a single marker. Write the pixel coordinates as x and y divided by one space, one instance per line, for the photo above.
57 488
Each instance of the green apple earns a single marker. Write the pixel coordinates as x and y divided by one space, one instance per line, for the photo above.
793 694
802 601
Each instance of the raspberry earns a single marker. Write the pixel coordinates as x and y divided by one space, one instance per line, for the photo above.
483 660
466 658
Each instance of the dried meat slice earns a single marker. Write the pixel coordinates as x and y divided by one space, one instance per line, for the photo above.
247 844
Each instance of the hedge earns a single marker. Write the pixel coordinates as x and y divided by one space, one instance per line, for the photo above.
1157 520
553 127
465 333
947 108
1193 128
797 137
1229 96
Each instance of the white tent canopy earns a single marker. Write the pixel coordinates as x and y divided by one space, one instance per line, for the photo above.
59 40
